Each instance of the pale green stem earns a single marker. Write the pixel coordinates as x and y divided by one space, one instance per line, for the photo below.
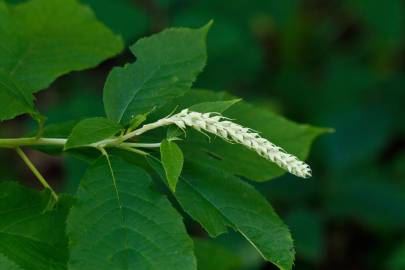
34 170
12 143
141 145
134 150
143 129
114 142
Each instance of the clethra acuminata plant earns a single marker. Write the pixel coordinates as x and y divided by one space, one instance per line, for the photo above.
117 218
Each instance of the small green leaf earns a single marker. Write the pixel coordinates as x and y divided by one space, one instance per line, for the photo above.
31 234
137 121
214 106
172 160
167 65
14 98
91 130
120 221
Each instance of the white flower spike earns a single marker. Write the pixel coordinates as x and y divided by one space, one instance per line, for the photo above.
220 126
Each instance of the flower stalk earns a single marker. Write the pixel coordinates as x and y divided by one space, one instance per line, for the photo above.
220 126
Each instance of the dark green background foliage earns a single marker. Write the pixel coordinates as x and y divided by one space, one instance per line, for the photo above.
337 64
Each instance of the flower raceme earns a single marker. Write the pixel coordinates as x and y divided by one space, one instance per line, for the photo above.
220 126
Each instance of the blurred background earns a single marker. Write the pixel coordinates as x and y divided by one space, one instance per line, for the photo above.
330 63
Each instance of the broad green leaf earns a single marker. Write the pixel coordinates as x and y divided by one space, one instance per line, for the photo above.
172 161
14 99
6 264
217 200
121 222
31 234
229 201
214 106
167 64
91 130
43 39
237 159
211 255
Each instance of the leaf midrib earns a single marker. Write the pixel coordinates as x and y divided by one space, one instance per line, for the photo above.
119 205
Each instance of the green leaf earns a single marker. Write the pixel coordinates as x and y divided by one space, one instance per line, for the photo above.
44 39
294 138
7 264
91 130
211 255
172 160
214 106
31 234
14 98
121 222
213 221
236 204
167 64
217 200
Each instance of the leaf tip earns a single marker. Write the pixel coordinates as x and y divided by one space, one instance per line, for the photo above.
172 188
207 26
